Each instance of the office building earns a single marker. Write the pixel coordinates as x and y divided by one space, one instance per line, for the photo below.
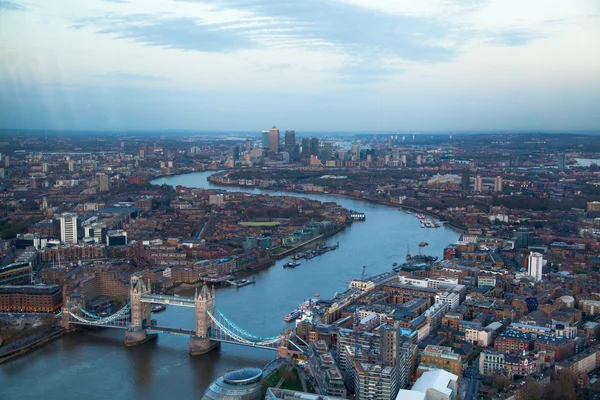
68 228
375 382
498 184
314 146
285 394
465 179
432 385
478 184
436 357
248 145
45 167
290 140
104 186
562 162
355 154
274 140
2 173
6 161
593 206
16 274
242 384
534 267
306 145
116 238
419 159
327 151
265 142
97 231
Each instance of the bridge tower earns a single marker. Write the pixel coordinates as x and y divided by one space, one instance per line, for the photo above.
140 313
204 304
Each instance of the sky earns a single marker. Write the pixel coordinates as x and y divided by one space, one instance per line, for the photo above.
312 65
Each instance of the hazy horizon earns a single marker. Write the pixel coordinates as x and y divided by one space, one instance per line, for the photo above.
344 66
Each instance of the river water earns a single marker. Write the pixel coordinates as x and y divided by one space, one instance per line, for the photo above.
95 364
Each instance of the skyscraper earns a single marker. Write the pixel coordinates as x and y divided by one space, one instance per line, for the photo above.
314 146
265 141
498 184
68 228
478 183
274 140
465 180
327 151
305 145
355 151
562 162
290 140
236 152
248 145
103 183
535 266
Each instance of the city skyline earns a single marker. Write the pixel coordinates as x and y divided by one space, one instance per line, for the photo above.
450 65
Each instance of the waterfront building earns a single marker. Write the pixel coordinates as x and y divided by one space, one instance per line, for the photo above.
30 299
535 266
68 228
290 140
498 184
274 140
242 384
437 384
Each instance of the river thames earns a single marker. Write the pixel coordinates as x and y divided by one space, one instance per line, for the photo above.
95 364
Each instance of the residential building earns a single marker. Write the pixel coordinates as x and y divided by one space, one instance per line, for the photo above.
451 298
478 183
30 299
535 266
104 185
68 228
375 382
498 184
16 274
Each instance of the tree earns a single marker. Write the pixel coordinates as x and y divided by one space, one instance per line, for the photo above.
501 383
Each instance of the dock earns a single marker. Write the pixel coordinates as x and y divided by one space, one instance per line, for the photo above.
242 283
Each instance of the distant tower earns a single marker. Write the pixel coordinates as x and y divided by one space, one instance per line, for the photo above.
6 161
71 166
33 183
535 266
290 140
103 183
419 159
562 162
265 143
45 203
140 313
465 179
314 146
478 185
45 167
306 145
498 184
274 140
355 148
248 144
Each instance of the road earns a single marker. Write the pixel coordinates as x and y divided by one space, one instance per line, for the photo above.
471 381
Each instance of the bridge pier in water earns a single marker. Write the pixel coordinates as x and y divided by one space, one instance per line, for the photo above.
204 303
136 333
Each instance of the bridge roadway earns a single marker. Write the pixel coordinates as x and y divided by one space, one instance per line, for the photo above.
172 300
172 331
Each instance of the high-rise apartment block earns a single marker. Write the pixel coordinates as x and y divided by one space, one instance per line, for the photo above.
534 268
68 228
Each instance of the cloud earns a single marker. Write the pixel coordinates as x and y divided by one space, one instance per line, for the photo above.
11 5
76 26
321 25
514 38
127 76
177 33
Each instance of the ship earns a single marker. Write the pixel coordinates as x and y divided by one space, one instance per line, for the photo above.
420 258
291 264
394 264
423 244
158 308
292 316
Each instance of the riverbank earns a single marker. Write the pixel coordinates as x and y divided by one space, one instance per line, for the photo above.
459 228
29 347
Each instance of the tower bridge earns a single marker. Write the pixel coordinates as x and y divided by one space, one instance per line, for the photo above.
212 327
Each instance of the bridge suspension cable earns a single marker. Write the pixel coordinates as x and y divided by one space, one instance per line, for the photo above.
237 338
236 328
122 313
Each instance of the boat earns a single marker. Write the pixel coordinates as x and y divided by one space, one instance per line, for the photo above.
317 294
423 244
158 308
419 258
292 316
394 264
291 264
